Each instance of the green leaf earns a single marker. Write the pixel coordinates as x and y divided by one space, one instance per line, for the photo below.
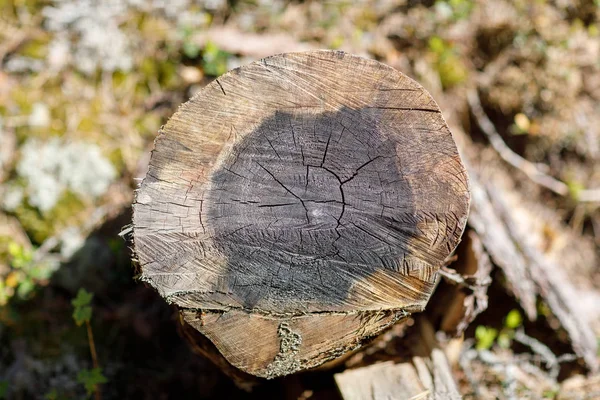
190 49
513 320
90 378
437 45
83 298
25 287
215 60
20 257
82 315
14 249
82 311
485 337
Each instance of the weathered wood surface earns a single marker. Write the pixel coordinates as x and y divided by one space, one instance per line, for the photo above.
298 206
425 376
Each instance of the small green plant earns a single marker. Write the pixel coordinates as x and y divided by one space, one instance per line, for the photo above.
575 189
82 310
24 274
91 378
513 320
214 59
189 47
486 336
82 314
447 63
55 395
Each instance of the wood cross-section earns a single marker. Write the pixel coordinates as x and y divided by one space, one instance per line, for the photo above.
298 206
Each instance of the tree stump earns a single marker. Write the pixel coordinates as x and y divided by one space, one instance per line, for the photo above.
298 206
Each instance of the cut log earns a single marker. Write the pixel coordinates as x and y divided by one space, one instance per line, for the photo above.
298 206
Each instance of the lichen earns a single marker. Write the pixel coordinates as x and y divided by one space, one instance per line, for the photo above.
100 43
53 167
286 361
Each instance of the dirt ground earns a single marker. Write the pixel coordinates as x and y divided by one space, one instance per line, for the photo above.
85 85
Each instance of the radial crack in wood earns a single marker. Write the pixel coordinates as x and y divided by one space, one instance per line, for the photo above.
298 206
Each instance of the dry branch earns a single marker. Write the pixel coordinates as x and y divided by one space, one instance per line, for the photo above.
529 168
504 221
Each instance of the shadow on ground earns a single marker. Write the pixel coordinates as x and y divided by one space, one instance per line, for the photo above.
138 344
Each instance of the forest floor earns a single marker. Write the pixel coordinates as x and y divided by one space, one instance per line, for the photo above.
85 85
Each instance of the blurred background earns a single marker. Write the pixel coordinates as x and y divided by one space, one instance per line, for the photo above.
86 84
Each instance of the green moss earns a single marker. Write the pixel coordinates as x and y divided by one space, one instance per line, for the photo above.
163 71
148 68
5 242
118 79
336 42
23 132
447 63
22 98
67 209
142 91
86 124
147 125
40 226
116 159
37 48
214 60
366 20
34 6
167 75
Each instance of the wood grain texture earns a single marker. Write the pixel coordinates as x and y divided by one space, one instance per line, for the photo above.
299 205
423 378
424 373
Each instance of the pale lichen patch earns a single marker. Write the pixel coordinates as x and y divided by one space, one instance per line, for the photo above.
286 361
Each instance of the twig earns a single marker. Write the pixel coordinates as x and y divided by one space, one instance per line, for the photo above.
551 361
462 280
420 396
506 366
529 168
90 335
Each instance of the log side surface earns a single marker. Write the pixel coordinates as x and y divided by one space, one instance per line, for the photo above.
299 205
